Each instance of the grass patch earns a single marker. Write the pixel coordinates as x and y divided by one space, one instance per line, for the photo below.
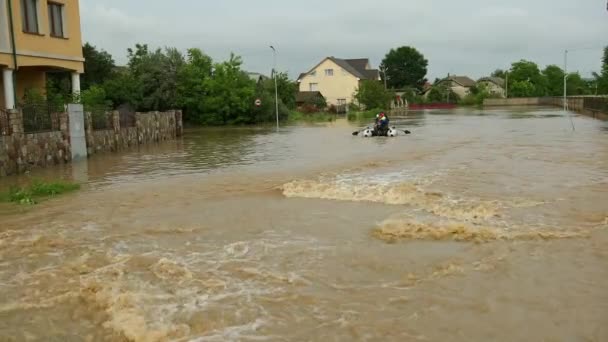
37 191
295 116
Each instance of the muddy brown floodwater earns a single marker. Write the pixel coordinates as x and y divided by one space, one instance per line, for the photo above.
480 226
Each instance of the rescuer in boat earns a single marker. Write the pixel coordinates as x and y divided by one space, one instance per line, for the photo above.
381 126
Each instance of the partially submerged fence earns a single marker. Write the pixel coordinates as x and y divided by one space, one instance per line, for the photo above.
33 137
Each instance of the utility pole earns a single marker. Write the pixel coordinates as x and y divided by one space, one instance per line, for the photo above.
276 87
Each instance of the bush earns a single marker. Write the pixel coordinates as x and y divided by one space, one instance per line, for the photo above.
295 116
372 94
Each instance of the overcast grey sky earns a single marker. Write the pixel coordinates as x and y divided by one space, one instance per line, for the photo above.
464 37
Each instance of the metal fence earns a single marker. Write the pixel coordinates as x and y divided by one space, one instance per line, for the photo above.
40 117
597 104
5 128
100 117
127 116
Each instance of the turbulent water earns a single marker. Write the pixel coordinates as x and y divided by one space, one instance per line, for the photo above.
480 226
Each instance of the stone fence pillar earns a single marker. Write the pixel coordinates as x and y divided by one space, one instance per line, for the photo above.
64 125
15 121
115 119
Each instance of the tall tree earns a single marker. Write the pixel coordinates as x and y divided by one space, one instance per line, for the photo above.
525 74
555 80
156 73
231 94
405 67
192 84
98 66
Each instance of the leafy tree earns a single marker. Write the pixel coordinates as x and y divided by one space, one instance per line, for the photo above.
123 88
555 80
522 89
576 85
372 94
525 74
499 73
287 89
156 73
95 96
98 66
192 84
405 67
231 94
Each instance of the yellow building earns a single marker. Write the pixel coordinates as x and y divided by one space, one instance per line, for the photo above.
37 37
337 79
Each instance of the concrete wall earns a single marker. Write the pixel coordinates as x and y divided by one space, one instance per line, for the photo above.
523 101
579 104
342 85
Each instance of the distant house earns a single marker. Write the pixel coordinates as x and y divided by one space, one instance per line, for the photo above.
460 85
337 79
495 85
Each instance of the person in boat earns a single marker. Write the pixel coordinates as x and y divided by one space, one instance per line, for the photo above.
382 122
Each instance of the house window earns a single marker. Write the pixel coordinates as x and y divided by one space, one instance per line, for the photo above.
313 87
56 19
341 102
29 16
329 72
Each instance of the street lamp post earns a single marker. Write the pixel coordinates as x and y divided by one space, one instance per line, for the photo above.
507 84
565 80
276 87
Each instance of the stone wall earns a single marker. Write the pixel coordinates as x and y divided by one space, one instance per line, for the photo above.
20 152
149 128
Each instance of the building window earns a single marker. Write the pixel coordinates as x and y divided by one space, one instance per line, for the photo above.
329 72
29 16
313 87
341 102
56 19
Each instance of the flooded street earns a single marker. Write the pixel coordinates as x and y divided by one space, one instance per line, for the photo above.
480 226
